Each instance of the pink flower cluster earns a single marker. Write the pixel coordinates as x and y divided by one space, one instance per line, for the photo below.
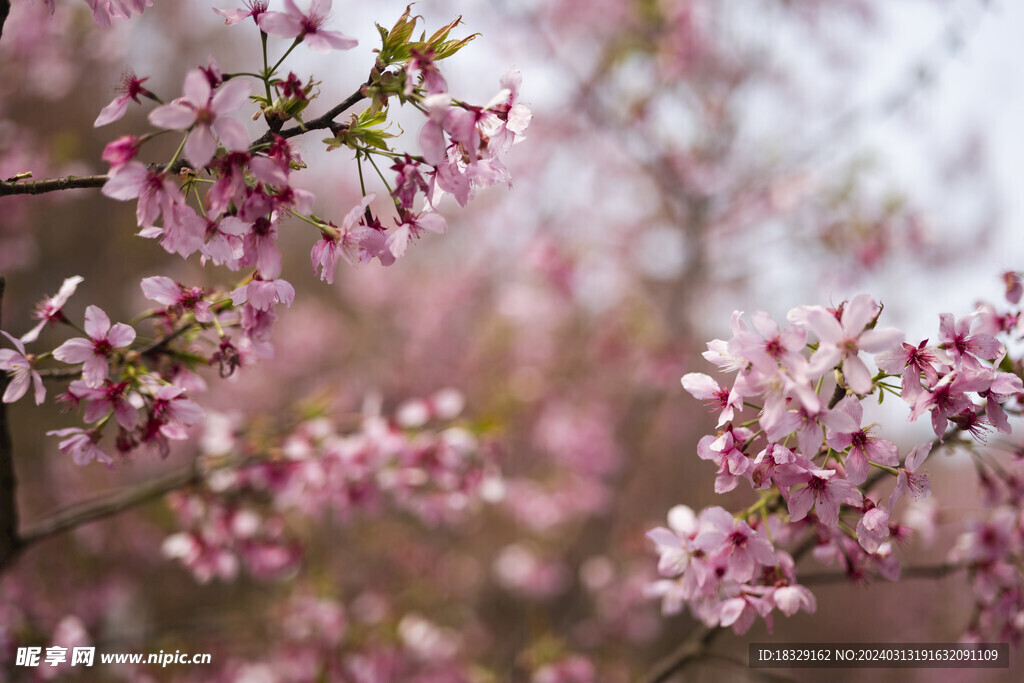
725 570
225 196
811 458
436 476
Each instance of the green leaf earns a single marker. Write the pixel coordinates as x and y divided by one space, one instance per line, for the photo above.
368 129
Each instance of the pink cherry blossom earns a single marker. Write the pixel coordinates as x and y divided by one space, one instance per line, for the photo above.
130 89
182 232
263 294
675 545
863 447
873 528
119 152
511 116
50 309
432 140
703 387
791 599
842 338
913 362
166 291
203 111
725 452
964 347
773 454
230 183
741 611
411 227
824 491
82 445
155 190
174 410
770 347
224 244
949 396
259 243
909 479
306 26
1005 386
19 365
101 401
95 350
423 63
105 10
743 550
1014 289
234 16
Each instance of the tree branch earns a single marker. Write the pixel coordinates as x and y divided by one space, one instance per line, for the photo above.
937 571
695 646
10 544
59 373
319 123
14 186
692 648
109 504
5 9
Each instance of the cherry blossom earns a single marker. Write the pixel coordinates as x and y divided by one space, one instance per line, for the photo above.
131 87
843 336
95 350
50 309
964 347
156 191
741 547
166 291
909 479
101 401
202 110
19 365
863 447
873 528
234 16
703 387
824 491
306 26
105 10
263 294
81 445
913 363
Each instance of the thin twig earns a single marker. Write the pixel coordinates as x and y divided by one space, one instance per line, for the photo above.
71 182
937 571
13 186
319 123
696 645
692 648
109 504
60 373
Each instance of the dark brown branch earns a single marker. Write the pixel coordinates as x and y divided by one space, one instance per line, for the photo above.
5 9
692 648
71 182
696 645
60 373
9 541
109 504
937 571
319 123
13 186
